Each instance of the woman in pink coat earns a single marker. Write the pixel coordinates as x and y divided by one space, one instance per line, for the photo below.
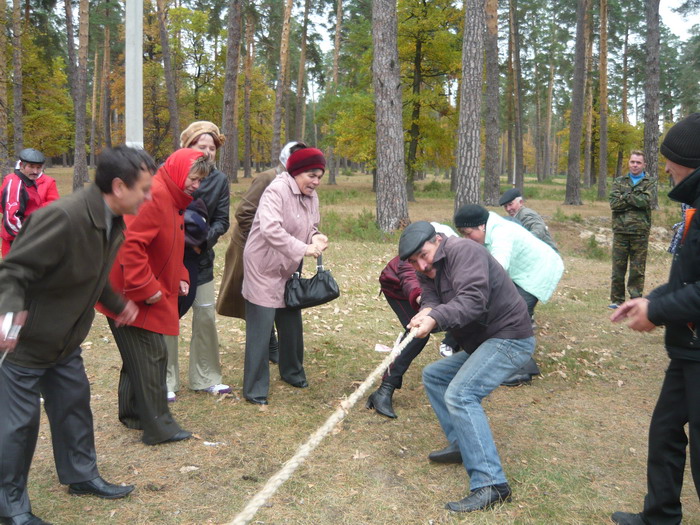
285 229
149 271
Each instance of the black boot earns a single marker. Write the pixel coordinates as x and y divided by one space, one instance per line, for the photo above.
274 348
381 400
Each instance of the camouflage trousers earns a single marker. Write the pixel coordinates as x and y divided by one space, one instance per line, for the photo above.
632 248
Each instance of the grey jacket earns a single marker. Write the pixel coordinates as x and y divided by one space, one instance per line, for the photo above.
534 223
472 296
57 270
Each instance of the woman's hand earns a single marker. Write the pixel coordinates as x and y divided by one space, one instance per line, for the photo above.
320 240
184 288
154 298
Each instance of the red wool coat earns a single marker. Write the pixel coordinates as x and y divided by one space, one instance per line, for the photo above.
150 260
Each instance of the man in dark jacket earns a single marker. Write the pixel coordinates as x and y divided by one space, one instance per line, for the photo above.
468 293
57 270
676 305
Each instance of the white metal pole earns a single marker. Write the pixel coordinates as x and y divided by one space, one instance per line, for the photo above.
133 91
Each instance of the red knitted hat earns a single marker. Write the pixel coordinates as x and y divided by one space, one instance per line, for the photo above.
305 159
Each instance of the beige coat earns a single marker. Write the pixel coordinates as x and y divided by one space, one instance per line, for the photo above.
282 229
230 301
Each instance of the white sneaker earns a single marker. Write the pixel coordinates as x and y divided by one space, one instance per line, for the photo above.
171 397
445 350
218 389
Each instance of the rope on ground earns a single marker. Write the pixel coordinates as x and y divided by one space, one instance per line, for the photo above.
305 450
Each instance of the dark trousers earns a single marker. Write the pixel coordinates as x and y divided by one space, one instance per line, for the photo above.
530 300
66 393
678 404
394 374
143 402
290 332
632 248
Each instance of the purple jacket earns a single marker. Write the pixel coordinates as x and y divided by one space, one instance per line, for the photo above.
283 226
473 297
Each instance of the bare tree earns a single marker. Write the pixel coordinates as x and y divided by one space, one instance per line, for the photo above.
229 153
469 127
5 152
392 204
247 87
517 96
301 78
603 103
491 174
78 68
93 110
169 71
18 123
106 104
332 161
651 94
281 83
573 171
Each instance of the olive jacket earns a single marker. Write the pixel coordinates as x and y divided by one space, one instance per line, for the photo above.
57 270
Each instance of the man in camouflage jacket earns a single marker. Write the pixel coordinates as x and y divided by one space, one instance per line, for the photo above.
630 202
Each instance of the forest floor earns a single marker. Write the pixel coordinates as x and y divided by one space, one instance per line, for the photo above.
573 443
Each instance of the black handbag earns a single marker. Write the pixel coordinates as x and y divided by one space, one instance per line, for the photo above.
304 293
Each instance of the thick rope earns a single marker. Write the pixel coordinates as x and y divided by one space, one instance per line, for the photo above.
305 450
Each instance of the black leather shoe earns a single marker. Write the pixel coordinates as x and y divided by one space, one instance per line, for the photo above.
481 499
517 380
180 436
257 401
449 454
23 519
627 518
300 384
100 488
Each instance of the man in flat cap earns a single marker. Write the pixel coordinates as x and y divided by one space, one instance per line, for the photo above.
630 202
468 293
676 305
512 202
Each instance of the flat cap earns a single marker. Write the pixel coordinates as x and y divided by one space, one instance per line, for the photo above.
471 216
509 196
32 156
414 237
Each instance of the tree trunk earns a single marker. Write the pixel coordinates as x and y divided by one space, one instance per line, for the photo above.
281 84
229 156
18 122
301 78
330 154
5 153
547 146
169 74
651 95
588 111
517 97
603 149
93 111
469 127
250 46
80 168
414 131
392 205
573 171
106 105
492 187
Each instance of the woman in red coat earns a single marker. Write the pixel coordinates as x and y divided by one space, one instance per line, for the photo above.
150 272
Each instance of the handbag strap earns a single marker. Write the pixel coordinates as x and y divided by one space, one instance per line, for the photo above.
319 266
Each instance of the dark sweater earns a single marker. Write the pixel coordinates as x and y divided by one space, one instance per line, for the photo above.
472 296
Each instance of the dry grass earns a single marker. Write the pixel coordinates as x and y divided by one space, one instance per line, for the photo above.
573 443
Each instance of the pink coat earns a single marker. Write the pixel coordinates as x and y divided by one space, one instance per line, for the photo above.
283 226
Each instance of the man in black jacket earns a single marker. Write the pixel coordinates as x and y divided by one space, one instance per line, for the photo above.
676 305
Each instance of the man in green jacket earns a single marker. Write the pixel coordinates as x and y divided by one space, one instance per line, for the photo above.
49 284
630 202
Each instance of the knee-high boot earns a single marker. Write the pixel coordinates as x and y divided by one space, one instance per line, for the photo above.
381 400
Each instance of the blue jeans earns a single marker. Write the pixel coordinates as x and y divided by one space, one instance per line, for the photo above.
457 384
